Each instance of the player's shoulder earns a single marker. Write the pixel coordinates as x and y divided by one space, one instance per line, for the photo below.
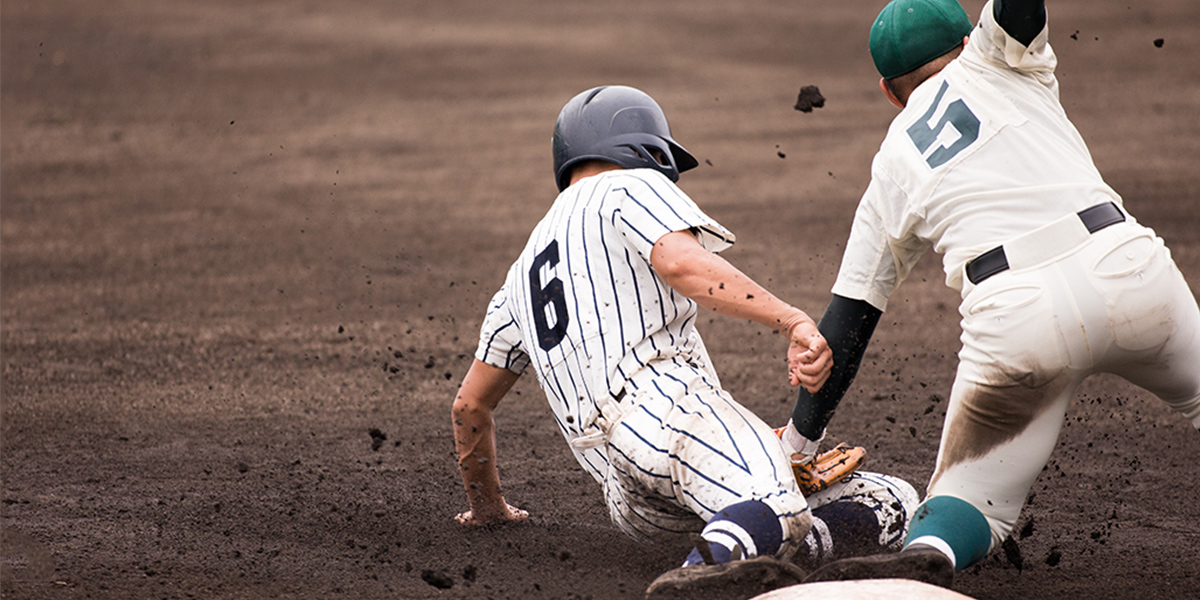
625 184
624 178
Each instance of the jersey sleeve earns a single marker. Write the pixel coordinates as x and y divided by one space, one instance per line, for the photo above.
882 249
991 43
651 207
500 337
867 271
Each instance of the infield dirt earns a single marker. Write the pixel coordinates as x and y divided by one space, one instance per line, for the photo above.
246 248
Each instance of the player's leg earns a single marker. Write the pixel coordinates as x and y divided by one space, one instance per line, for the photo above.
642 513
1154 319
1027 345
725 456
866 513
726 465
689 448
638 488
973 500
995 442
1024 353
1006 407
743 529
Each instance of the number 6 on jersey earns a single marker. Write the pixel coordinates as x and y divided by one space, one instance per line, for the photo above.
547 296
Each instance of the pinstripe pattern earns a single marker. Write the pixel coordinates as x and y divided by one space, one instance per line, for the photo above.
685 442
583 306
681 449
892 499
620 315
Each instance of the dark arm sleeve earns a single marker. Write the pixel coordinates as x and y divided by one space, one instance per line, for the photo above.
847 325
1022 19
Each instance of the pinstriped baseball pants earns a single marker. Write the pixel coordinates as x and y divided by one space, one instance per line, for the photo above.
683 450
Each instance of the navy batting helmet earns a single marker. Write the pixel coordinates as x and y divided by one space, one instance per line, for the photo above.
620 125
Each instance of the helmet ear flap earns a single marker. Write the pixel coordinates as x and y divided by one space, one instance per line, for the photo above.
672 160
651 153
657 156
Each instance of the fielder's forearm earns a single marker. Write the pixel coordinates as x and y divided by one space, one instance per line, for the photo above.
847 325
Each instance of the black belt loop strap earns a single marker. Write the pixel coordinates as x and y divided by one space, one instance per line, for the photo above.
987 264
1100 216
994 261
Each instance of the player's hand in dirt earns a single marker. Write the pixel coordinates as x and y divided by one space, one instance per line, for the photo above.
509 513
810 360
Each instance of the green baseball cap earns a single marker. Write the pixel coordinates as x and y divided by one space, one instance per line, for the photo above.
910 33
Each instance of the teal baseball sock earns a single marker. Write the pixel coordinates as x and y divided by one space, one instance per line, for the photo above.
951 524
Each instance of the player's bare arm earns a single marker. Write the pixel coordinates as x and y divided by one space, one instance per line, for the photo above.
475 440
715 284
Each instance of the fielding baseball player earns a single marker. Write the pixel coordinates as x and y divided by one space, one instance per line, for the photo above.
1058 280
602 304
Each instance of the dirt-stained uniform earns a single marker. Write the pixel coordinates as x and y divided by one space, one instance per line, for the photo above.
629 382
1058 280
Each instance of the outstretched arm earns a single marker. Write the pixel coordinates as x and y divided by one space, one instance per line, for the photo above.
475 439
847 325
712 282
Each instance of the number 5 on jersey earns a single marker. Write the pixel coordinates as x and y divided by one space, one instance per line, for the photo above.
549 300
958 115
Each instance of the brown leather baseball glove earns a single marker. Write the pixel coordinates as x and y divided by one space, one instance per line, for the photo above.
827 468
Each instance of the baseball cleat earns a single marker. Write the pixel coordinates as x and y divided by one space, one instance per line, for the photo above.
737 580
926 565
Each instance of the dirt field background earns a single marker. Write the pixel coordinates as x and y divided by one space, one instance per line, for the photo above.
238 237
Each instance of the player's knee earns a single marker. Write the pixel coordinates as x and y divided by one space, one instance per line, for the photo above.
794 517
901 493
796 529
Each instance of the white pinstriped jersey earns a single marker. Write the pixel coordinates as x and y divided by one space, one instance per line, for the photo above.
983 152
582 303
583 306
